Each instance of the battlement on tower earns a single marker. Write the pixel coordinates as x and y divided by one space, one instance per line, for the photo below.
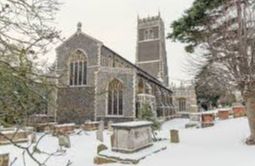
150 20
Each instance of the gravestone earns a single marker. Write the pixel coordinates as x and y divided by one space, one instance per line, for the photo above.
32 137
174 136
99 133
110 125
4 159
64 141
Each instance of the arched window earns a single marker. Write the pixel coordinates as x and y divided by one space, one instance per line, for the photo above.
182 104
78 69
115 98
151 35
140 86
148 34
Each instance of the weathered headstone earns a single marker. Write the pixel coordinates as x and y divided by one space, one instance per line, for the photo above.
174 136
32 137
99 133
4 159
110 125
101 125
64 141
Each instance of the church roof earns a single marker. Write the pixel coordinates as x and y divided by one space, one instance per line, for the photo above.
140 71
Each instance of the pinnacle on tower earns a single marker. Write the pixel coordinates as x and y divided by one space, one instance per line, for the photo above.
79 27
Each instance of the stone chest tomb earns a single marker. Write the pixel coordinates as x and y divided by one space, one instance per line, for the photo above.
130 137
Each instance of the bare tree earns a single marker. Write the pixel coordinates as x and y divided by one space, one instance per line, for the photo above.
27 32
231 43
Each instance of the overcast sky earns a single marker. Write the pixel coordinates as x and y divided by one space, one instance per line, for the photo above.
114 23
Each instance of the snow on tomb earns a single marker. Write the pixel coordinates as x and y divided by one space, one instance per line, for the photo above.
66 129
15 135
196 117
90 125
132 136
194 120
223 114
4 159
238 110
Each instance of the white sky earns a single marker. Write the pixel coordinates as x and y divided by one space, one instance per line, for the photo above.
114 23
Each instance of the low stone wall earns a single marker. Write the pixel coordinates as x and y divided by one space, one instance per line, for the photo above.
64 129
4 159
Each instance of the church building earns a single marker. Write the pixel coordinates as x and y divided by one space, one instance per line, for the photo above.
96 83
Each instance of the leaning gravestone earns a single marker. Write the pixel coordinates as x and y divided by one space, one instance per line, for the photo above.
174 136
100 131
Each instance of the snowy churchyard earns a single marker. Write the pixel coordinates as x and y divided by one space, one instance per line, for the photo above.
147 83
221 144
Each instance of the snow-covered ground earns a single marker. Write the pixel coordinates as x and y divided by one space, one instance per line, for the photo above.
222 144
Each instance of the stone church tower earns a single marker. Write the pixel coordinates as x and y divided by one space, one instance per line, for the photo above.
151 50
